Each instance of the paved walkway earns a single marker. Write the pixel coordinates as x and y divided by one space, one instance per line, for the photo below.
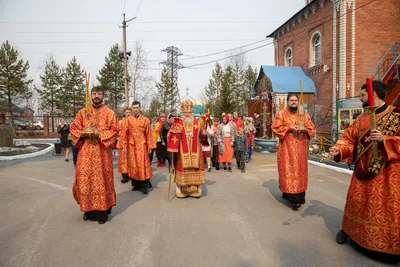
241 221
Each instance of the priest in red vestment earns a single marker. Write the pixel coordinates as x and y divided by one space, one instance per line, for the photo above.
93 131
184 142
294 128
122 153
372 211
138 140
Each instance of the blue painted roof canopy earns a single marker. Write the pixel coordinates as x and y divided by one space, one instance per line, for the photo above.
287 79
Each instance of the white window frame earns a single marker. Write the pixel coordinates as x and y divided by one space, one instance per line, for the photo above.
287 63
313 59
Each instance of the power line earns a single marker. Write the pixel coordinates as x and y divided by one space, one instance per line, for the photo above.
142 22
123 9
241 53
141 31
140 4
304 26
113 41
232 49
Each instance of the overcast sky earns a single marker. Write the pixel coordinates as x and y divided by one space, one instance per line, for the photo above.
87 29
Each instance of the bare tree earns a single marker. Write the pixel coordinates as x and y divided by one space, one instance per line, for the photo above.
140 81
237 58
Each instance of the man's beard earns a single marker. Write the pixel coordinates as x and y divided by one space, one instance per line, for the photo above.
188 121
293 109
98 103
365 104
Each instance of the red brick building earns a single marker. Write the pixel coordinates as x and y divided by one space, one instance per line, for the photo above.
338 43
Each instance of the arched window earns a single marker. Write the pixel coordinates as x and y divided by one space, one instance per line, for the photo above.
288 57
316 49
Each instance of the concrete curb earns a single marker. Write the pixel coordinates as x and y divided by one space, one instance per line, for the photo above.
37 139
30 155
341 170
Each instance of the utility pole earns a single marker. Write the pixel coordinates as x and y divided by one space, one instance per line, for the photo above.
124 25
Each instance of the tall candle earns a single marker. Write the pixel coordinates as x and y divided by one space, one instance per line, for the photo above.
370 92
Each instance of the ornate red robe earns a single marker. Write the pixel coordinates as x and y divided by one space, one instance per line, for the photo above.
189 164
138 139
93 187
372 212
122 153
292 151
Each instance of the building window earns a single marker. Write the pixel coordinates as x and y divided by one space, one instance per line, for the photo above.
316 49
288 57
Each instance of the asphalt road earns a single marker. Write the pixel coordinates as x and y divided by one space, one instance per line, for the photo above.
240 221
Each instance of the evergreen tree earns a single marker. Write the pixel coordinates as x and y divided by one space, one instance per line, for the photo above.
111 78
249 78
213 90
13 77
169 93
73 91
154 108
236 82
50 93
226 100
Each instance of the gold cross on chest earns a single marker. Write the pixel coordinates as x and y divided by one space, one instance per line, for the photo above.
174 139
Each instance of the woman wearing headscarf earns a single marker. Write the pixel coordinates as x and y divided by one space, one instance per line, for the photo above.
226 135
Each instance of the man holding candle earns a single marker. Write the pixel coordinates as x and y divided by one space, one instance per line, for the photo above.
294 128
93 131
372 211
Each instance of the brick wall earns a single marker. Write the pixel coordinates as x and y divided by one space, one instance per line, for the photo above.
299 39
377 27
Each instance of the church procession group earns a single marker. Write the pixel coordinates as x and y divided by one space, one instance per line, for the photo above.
372 210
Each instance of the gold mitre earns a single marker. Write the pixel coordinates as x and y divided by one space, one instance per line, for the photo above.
187 106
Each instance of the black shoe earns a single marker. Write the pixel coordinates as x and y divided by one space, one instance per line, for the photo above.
209 169
217 168
66 160
224 168
135 189
144 190
150 185
124 181
229 169
341 237
102 222
294 206
85 218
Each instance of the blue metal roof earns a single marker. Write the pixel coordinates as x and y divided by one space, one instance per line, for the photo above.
287 79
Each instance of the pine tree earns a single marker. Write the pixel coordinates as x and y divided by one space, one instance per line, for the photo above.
213 90
168 92
111 78
50 93
226 101
154 108
237 77
13 77
249 78
73 90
